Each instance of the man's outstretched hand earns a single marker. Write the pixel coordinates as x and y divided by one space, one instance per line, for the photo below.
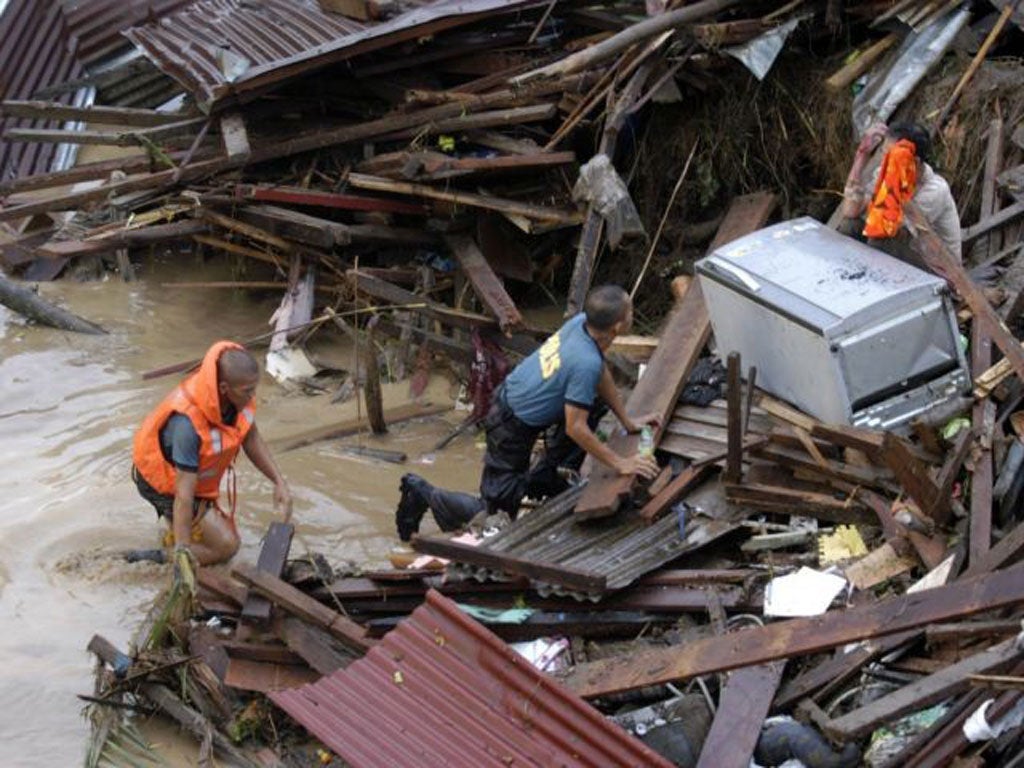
283 501
635 424
644 466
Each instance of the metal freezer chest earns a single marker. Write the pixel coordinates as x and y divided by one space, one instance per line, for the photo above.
845 332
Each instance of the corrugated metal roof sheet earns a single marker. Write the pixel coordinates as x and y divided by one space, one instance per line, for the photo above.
96 25
621 548
440 690
34 52
217 48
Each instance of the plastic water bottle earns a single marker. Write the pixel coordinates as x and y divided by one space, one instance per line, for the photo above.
646 445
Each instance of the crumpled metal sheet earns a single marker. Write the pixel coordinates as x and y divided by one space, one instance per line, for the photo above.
888 87
220 48
440 689
759 54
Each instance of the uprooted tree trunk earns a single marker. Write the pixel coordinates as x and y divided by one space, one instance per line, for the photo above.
27 302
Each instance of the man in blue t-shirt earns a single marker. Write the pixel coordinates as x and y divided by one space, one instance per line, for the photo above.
558 386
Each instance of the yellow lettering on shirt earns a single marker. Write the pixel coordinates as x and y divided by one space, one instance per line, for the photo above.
550 361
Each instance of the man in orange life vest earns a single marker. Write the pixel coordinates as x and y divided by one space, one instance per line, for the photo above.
185 446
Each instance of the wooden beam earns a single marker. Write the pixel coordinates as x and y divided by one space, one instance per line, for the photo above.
951 681
687 330
734 428
1008 550
272 558
305 607
794 501
983 423
315 645
742 707
124 238
940 260
685 481
481 556
458 197
797 637
486 284
915 478
54 110
321 199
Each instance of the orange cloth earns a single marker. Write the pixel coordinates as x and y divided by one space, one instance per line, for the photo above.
897 182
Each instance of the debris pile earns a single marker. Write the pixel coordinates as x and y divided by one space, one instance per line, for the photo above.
786 588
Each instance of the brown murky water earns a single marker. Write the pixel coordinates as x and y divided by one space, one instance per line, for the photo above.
69 407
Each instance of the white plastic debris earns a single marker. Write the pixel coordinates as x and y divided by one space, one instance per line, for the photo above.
804 593
545 654
289 364
978 728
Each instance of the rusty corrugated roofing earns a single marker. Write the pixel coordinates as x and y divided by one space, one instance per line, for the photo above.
34 52
440 689
216 48
618 549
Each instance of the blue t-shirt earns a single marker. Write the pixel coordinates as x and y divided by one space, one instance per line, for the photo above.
564 369
179 441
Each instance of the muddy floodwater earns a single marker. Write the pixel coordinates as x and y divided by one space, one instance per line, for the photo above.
68 410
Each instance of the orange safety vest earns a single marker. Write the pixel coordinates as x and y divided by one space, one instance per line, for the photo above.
198 398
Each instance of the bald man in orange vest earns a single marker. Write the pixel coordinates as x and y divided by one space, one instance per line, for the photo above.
189 442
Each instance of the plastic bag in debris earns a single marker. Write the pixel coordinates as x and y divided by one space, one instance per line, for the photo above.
978 728
600 185
706 383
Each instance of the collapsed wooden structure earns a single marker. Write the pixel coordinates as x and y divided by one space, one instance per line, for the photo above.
326 144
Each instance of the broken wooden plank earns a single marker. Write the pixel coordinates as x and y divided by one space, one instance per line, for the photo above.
321 199
521 343
305 607
834 470
931 549
458 197
686 332
684 482
996 220
486 284
487 558
795 501
1009 549
742 708
272 558
316 647
878 566
833 673
295 225
915 478
105 115
922 693
125 238
940 260
797 637
734 424
982 479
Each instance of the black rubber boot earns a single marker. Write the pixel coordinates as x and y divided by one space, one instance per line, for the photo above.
145 555
412 506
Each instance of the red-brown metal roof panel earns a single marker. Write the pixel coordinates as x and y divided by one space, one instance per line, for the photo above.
440 689
34 53
284 38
